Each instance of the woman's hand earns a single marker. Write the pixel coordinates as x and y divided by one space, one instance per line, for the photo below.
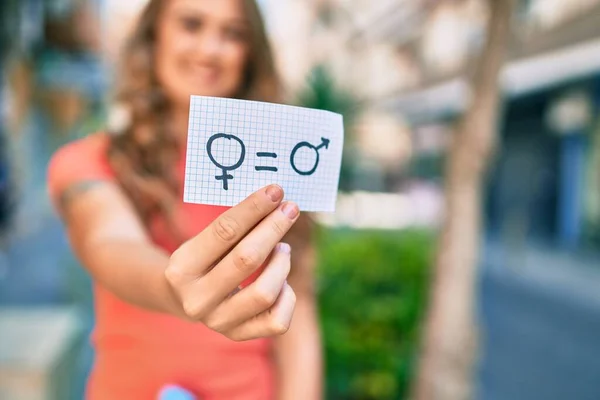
205 271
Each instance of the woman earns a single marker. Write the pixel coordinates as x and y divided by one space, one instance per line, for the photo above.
169 309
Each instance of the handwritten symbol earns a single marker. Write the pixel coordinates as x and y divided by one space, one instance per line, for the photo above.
267 155
225 176
324 143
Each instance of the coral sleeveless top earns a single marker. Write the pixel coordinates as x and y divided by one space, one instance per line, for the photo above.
137 351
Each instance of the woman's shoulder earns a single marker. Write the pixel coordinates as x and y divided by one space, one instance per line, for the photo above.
93 145
80 160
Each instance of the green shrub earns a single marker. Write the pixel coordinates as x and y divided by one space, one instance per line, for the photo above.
372 293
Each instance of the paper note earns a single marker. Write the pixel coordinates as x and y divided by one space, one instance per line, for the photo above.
236 147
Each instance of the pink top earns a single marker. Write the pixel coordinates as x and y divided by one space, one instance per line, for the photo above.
137 351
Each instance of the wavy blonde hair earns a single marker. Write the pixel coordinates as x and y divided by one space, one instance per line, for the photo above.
143 153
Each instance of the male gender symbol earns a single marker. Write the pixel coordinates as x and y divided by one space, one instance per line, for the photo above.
324 143
225 176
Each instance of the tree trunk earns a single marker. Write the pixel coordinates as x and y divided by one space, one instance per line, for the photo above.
449 348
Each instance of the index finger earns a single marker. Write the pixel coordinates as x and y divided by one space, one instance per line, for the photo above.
200 252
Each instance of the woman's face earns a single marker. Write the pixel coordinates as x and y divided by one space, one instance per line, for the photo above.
201 48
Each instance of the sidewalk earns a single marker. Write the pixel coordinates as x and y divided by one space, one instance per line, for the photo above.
541 323
36 266
41 275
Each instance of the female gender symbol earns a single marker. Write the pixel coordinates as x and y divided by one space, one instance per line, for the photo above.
225 176
324 143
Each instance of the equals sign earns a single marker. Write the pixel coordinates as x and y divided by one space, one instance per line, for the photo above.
266 155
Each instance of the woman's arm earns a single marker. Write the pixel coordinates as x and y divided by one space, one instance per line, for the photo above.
196 281
111 242
298 352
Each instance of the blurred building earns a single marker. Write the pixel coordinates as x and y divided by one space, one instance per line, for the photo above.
118 18
55 84
411 58
539 186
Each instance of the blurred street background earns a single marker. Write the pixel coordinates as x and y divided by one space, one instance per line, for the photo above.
399 72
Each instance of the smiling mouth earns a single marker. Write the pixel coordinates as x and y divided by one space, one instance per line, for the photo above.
205 74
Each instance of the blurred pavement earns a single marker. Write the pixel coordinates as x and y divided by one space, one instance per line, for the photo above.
37 272
42 275
541 321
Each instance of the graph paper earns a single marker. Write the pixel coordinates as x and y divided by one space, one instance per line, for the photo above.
235 147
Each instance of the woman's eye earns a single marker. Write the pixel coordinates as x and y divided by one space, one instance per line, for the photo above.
237 34
191 24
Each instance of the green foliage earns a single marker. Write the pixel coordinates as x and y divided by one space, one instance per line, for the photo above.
429 166
323 93
372 294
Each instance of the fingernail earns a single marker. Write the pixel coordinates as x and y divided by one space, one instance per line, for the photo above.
274 192
291 210
284 248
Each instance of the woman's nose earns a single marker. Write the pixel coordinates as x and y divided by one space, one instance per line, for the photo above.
210 45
